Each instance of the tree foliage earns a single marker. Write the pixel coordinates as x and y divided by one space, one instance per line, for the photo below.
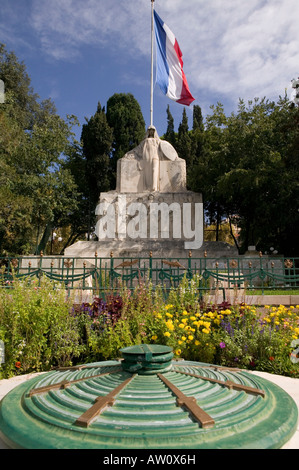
96 140
37 191
105 138
249 171
125 118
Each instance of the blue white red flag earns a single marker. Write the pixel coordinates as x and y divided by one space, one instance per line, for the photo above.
169 64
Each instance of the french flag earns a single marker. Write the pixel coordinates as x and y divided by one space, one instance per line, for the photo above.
169 64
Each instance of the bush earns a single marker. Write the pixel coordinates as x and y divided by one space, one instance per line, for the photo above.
36 327
42 328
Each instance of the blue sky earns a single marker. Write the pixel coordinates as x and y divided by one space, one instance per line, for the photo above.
81 52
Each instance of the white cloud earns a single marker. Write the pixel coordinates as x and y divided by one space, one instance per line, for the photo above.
230 49
70 24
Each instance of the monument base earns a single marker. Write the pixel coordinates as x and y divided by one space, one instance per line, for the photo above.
170 249
151 216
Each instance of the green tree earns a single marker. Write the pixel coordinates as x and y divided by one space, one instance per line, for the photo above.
249 169
197 143
124 116
43 175
81 219
184 144
170 134
97 138
36 190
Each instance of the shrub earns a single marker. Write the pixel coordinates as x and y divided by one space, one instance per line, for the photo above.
42 328
36 327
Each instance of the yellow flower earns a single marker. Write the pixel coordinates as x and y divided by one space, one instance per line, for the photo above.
169 315
190 337
184 338
168 306
154 337
178 352
196 342
185 313
205 330
169 325
181 325
192 318
184 320
167 333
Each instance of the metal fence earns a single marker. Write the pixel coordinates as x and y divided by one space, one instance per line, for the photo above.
97 274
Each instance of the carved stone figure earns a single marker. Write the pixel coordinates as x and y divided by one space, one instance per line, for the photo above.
151 161
153 165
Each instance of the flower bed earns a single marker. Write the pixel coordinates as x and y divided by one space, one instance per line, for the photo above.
41 328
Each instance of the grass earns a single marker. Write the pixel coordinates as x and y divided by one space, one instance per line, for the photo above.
267 291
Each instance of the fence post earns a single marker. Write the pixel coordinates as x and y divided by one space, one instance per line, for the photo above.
150 265
40 267
84 272
111 270
95 276
250 269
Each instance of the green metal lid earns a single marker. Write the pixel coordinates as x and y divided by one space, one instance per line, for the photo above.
147 358
189 405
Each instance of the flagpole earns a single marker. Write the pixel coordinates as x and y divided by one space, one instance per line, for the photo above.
152 63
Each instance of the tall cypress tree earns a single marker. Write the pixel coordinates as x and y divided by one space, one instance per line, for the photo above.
97 140
197 140
124 116
184 145
170 134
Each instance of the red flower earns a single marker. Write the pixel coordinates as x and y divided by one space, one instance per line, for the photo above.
18 364
271 358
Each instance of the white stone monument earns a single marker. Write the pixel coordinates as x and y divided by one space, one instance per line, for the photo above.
151 210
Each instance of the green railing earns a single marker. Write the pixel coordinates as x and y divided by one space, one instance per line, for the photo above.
99 274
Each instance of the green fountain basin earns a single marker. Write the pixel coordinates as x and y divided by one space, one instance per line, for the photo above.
130 405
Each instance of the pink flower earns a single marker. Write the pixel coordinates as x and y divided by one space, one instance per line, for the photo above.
222 345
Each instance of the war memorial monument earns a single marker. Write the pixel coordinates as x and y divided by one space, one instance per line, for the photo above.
150 210
145 399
